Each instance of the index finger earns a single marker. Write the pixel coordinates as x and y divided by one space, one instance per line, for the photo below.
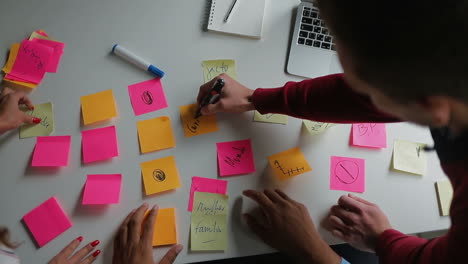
260 198
134 225
24 99
349 203
205 89
148 230
70 248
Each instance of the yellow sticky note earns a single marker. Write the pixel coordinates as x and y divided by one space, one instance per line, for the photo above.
270 118
155 134
199 126
445 194
39 36
98 107
315 128
213 68
409 157
11 57
289 163
160 175
165 227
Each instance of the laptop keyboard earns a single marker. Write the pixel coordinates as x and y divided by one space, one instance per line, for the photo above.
313 31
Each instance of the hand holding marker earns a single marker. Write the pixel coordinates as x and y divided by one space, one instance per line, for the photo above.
134 59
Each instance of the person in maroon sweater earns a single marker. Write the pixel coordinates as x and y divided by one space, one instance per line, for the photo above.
402 61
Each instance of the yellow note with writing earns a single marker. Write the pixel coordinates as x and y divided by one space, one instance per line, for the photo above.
165 227
98 107
213 68
409 157
196 126
289 163
445 194
155 134
315 128
160 175
271 118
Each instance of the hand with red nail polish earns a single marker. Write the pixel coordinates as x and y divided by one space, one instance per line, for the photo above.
11 116
81 256
133 243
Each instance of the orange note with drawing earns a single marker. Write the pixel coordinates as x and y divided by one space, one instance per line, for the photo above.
289 163
196 126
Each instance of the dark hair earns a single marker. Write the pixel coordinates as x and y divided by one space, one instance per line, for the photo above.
407 49
5 238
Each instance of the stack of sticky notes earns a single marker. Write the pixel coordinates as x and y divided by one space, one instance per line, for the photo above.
29 60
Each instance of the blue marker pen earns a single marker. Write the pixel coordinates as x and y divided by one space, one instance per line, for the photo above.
134 59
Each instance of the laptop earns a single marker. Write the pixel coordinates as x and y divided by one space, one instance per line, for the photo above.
312 51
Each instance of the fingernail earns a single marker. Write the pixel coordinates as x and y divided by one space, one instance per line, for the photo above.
32 107
80 238
145 204
96 253
95 243
155 207
179 248
36 120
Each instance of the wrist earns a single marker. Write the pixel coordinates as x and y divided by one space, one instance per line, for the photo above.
250 105
320 252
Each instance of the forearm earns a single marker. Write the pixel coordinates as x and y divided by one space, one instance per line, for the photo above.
319 252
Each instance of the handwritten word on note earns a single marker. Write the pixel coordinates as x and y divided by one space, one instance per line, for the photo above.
47 221
444 194
213 68
99 144
160 175
98 107
200 184
147 96
289 163
370 135
196 126
235 158
31 62
51 151
347 174
315 128
102 189
45 128
208 224
409 157
270 118
155 134
56 55
165 228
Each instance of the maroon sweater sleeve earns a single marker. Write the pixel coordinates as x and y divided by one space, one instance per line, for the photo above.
324 99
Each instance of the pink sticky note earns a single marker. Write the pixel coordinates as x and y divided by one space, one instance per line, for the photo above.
56 56
370 135
99 144
235 158
200 184
47 221
51 151
31 61
102 189
347 174
147 96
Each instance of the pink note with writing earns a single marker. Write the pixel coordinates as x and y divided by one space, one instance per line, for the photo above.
31 61
102 189
370 135
235 158
200 184
99 144
51 151
147 96
47 221
56 56
347 174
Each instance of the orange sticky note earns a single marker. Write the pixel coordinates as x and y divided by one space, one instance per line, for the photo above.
98 107
11 57
199 126
24 84
155 134
289 163
165 228
160 175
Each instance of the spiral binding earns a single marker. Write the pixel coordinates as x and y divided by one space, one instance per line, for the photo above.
213 4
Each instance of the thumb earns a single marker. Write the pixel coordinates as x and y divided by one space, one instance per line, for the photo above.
171 255
211 109
29 119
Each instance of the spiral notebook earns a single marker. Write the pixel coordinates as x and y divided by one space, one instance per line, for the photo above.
246 18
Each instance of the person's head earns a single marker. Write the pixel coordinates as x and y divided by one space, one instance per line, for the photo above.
5 238
410 57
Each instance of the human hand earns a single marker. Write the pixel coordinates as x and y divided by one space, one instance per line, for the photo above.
235 97
65 256
10 114
357 222
286 225
132 245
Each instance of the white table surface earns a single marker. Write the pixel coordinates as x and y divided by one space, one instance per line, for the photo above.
169 33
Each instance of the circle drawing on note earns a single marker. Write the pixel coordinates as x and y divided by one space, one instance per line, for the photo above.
159 175
346 171
147 97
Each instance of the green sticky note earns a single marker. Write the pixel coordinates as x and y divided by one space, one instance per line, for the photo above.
315 128
409 157
46 113
213 68
445 195
271 118
208 226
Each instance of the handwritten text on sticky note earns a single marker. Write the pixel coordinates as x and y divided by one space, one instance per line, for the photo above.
45 128
289 163
200 184
315 128
196 126
270 118
213 68
409 157
371 135
235 157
